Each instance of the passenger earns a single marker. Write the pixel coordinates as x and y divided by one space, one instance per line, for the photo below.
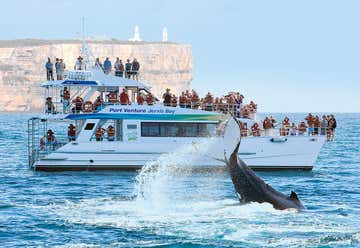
119 68
124 98
71 133
173 101
128 66
195 100
331 127
238 102
98 103
135 69
231 104
78 101
112 98
324 125
245 112
293 129
98 64
49 70
209 101
140 99
284 130
79 65
150 99
49 106
167 97
110 133
273 121
267 125
57 67
99 134
62 68
182 100
310 123
243 129
317 125
65 99
188 99
255 130
302 128
107 66
50 138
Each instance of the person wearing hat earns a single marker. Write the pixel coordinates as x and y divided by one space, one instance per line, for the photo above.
167 97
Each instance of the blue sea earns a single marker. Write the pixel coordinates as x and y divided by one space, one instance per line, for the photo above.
189 209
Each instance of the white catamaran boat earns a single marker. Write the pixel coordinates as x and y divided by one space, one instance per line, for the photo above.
141 133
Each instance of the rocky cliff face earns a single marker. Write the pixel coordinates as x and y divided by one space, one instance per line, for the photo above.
22 66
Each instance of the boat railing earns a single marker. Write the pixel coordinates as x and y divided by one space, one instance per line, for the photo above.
221 108
283 132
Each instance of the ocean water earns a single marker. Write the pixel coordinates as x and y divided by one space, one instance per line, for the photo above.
176 209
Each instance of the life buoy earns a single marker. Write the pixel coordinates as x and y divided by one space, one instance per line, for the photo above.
87 107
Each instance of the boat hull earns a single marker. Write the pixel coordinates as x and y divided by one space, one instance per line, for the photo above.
260 153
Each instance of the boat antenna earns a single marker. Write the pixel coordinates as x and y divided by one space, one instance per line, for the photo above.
85 50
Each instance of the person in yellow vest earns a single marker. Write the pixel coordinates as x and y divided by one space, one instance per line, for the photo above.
110 133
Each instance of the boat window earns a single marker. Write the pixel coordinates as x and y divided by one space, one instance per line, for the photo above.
176 129
132 126
150 129
89 126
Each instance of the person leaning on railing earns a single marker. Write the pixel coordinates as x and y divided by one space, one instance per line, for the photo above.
98 103
182 100
140 99
243 129
150 99
167 97
124 98
173 101
267 125
302 128
255 130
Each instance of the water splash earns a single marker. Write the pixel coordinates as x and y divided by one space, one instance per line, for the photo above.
159 179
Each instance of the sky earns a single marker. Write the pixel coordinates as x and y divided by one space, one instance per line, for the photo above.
287 55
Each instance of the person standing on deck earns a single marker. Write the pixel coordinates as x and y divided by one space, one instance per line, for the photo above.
49 70
119 68
128 66
79 65
135 69
57 67
61 69
107 66
98 64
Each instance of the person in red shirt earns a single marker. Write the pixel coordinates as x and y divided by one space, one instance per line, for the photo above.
140 99
124 98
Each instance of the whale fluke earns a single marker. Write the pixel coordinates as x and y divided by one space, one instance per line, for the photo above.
250 187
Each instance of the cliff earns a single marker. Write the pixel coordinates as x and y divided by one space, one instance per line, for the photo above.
22 66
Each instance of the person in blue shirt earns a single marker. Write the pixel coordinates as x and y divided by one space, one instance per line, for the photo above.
49 70
107 66
128 66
